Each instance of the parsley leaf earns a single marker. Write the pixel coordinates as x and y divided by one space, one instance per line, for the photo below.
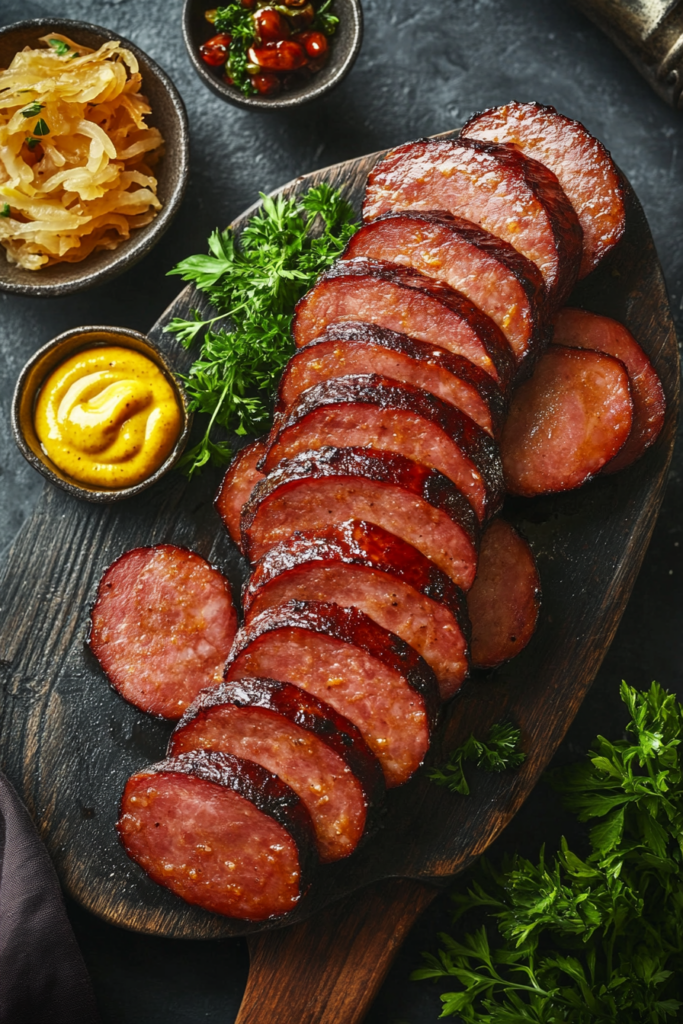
40 128
586 940
254 284
59 46
500 752
324 21
33 109
5 210
238 22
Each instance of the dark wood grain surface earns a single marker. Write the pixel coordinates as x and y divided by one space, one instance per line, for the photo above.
68 742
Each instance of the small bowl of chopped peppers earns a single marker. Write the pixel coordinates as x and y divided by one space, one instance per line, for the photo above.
261 55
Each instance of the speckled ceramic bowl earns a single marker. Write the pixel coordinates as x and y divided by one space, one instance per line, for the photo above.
41 365
168 115
344 48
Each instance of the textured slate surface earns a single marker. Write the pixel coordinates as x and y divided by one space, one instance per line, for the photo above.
424 68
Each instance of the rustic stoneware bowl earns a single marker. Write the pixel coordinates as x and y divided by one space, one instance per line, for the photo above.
39 368
168 115
344 48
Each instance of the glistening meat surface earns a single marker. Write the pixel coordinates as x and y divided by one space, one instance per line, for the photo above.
351 347
305 742
372 411
366 673
496 187
238 483
583 167
566 422
319 489
505 598
162 626
577 328
220 832
360 565
401 299
500 281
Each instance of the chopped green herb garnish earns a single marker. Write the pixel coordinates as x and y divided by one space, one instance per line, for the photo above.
324 21
595 939
4 210
256 282
32 143
59 46
40 128
499 752
238 22
32 109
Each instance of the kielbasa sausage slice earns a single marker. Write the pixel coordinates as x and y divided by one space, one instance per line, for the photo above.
505 599
360 565
238 483
583 167
566 422
348 348
401 299
577 328
367 410
161 627
305 742
499 280
220 832
497 187
318 489
366 673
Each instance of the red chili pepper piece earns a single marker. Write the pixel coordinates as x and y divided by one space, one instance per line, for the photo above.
283 56
271 26
314 43
266 83
215 50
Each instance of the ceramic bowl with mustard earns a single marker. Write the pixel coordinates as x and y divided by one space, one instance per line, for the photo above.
100 413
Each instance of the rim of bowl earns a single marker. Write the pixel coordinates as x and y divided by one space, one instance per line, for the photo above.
66 344
282 102
144 239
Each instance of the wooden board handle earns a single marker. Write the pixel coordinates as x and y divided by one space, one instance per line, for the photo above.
327 970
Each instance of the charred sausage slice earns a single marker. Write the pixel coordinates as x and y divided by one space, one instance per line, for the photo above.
238 483
220 832
583 167
497 187
578 329
360 565
367 410
505 599
499 280
162 626
566 422
348 348
319 489
305 742
400 299
366 673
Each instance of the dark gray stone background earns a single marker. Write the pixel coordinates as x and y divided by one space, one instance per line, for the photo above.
426 65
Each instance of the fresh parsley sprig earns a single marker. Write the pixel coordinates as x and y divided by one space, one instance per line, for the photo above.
498 753
590 940
254 284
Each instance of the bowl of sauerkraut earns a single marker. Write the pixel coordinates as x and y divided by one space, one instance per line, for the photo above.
94 155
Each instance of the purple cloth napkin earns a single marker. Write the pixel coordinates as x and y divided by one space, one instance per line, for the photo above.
43 979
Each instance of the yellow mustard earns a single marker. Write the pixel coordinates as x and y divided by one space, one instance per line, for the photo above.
108 417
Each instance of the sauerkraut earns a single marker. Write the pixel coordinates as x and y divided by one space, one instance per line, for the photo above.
76 153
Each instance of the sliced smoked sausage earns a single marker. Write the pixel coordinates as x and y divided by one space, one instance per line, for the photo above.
566 422
490 272
584 168
305 742
162 626
401 299
360 565
220 832
579 329
497 187
367 410
321 488
366 673
238 483
505 598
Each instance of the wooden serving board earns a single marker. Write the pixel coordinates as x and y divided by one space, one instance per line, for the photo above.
68 742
